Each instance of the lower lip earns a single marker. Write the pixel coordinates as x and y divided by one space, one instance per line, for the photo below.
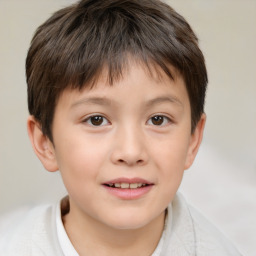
129 193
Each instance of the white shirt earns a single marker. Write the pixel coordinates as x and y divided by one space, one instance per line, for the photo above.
40 232
63 238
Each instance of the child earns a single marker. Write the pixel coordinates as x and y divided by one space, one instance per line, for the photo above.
116 94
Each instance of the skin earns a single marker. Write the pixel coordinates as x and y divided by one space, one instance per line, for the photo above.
143 130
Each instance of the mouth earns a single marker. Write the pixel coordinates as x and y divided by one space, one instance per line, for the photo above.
125 185
128 189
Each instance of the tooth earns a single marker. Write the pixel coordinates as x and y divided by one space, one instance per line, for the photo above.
139 185
117 185
124 185
133 185
111 184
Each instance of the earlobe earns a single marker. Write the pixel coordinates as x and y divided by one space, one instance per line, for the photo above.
41 144
195 141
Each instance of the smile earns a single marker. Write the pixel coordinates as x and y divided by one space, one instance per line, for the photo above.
126 185
128 189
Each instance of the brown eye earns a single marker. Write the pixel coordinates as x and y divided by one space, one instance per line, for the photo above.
96 121
159 120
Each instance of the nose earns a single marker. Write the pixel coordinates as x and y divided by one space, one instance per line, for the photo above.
129 147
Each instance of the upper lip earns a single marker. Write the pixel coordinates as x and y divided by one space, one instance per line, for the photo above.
128 180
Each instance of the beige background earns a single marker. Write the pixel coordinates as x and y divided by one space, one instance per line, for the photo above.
222 183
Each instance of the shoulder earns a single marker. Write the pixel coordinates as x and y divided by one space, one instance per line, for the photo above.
209 237
195 234
28 232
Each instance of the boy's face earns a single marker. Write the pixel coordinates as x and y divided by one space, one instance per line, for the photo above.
136 134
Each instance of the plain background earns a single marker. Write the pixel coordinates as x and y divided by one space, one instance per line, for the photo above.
222 182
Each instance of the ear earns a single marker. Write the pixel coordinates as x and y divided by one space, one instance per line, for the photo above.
42 145
195 141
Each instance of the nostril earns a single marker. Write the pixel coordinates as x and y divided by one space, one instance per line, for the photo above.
130 162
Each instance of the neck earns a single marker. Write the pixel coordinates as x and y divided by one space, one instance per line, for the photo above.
89 237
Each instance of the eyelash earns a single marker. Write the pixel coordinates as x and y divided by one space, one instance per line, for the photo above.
165 120
103 121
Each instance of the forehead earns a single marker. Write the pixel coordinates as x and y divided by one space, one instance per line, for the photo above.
137 83
132 65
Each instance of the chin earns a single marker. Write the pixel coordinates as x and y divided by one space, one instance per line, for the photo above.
128 225
129 221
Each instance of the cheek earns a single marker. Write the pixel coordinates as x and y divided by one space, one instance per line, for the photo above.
79 166
171 153
79 158
170 159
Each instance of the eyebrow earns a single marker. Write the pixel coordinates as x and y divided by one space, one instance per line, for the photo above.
107 102
93 100
168 99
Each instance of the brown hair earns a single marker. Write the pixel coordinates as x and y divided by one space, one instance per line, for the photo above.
73 46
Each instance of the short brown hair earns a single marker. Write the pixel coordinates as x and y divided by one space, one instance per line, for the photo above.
73 46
